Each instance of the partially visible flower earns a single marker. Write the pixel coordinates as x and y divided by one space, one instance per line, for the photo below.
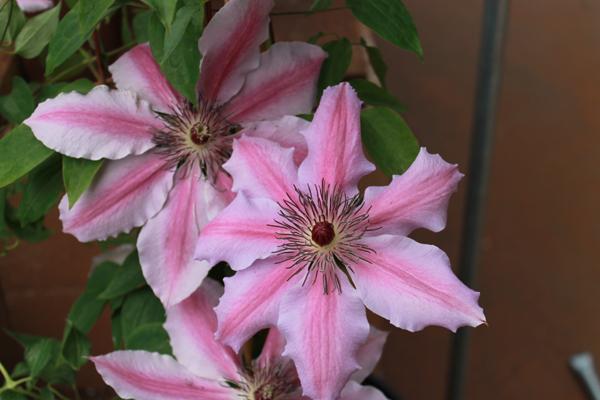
205 369
34 5
317 250
166 154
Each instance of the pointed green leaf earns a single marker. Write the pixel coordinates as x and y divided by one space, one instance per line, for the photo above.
374 95
127 278
12 15
19 104
376 61
165 10
149 337
91 12
339 56
36 33
75 347
78 175
54 89
40 355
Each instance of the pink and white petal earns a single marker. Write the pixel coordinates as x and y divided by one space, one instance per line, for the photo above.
101 124
167 242
230 47
285 131
191 325
240 234
34 5
413 286
324 333
272 349
261 168
124 195
418 198
152 376
284 84
251 301
335 152
355 391
138 71
369 354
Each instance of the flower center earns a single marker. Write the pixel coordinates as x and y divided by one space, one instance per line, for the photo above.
320 230
270 382
195 136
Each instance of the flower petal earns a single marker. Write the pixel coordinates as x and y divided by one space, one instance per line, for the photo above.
272 349
417 198
143 375
285 131
138 71
124 195
34 5
335 152
369 354
251 301
240 234
284 84
324 333
167 242
355 391
101 124
413 286
230 47
261 168
191 325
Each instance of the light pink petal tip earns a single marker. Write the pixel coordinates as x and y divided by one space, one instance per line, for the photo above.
285 131
144 375
124 195
335 152
251 301
369 354
191 325
284 84
413 286
417 198
240 234
323 334
34 5
137 71
262 168
101 124
167 242
230 47
272 349
355 391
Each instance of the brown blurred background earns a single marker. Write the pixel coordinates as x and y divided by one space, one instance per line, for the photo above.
539 273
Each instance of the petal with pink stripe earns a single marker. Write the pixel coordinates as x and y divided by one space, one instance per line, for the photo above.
101 124
416 199
138 71
191 325
284 84
144 375
335 152
251 301
285 131
230 47
240 234
262 168
413 286
272 349
124 195
324 333
369 354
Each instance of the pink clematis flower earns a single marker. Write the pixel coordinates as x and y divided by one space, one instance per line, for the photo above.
166 154
205 369
34 5
318 251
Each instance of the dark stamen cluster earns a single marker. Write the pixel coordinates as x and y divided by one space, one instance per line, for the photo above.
321 230
195 135
269 382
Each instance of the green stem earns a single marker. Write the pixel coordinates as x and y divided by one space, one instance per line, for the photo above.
57 393
8 382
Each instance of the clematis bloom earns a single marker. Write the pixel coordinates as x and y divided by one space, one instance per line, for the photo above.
205 369
166 154
311 252
34 5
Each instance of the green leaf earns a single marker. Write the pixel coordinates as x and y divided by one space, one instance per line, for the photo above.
91 12
150 337
374 95
12 15
337 62
12 395
67 39
87 308
320 5
43 190
165 9
20 370
126 28
75 347
20 152
140 308
390 19
40 355
36 33
78 174
173 37
388 139
24 339
46 393
126 279
117 329
50 91
141 22
376 61
19 104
